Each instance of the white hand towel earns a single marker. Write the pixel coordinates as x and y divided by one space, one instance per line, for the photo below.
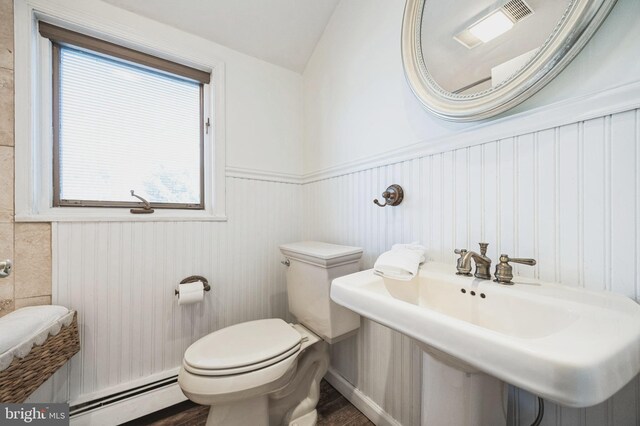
401 262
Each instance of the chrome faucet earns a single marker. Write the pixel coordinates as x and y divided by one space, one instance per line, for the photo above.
483 263
463 269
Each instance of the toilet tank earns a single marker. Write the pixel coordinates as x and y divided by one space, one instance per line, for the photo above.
312 267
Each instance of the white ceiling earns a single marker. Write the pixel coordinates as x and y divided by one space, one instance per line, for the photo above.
283 32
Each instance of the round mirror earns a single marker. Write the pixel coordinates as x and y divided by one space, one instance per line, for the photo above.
472 59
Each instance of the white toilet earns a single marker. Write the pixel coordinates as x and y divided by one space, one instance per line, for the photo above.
268 372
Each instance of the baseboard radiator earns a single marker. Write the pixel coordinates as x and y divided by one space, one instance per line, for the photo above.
129 404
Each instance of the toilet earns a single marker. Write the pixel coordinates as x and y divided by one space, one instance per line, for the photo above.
268 372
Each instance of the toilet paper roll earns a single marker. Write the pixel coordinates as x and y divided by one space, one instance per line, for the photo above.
190 293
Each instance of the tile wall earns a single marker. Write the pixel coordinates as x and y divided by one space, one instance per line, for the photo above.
27 244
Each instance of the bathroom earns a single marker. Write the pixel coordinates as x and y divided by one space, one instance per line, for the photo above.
311 110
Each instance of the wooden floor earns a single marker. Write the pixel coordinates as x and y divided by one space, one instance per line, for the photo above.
333 410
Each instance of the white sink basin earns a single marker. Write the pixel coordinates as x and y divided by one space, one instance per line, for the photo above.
570 345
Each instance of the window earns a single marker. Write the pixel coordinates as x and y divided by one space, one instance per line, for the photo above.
124 120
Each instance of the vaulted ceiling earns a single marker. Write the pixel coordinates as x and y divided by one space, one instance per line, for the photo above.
283 32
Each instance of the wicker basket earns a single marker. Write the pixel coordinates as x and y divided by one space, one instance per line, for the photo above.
25 375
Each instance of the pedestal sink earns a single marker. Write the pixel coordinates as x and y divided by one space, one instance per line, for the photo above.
569 345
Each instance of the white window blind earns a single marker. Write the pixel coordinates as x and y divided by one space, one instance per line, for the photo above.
121 127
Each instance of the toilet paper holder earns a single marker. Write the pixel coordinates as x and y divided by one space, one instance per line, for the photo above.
193 279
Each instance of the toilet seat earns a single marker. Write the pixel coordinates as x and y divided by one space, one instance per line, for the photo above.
243 348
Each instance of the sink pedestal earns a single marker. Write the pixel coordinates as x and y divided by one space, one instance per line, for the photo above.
455 394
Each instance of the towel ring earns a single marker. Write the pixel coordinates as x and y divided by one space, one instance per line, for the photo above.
193 279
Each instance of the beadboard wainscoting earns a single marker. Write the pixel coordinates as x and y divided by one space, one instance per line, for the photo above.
568 196
121 276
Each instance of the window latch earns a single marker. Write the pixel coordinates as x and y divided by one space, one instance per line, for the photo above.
207 125
146 209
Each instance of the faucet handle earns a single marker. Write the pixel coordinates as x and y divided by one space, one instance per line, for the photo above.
530 262
504 271
460 266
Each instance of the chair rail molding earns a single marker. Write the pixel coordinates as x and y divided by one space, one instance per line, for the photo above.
264 175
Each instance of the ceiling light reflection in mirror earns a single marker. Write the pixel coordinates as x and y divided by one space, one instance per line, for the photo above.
470 46
492 26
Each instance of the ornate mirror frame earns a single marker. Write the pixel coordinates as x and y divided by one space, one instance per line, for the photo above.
579 22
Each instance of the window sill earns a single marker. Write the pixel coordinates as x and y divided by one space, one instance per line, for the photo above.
88 214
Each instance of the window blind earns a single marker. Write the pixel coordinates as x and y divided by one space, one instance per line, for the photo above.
119 126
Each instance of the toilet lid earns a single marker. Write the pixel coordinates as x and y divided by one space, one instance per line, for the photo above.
244 344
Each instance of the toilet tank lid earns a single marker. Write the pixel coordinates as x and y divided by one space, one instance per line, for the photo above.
319 250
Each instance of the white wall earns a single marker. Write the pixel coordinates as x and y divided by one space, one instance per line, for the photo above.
120 276
357 102
566 196
565 193
264 116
